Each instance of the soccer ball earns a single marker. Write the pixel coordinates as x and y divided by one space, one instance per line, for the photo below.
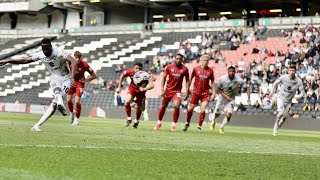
141 78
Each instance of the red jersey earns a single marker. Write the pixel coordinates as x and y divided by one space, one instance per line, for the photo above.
130 73
202 80
82 68
176 75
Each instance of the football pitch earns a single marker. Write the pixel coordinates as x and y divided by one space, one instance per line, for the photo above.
104 149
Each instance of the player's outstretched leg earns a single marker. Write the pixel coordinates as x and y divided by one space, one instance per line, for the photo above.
59 101
277 123
161 112
127 107
78 112
138 115
49 112
189 115
70 106
225 121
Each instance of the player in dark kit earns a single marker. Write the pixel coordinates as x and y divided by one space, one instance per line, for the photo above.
176 72
203 75
134 93
78 86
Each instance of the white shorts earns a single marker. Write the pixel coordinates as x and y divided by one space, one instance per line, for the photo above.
283 106
223 104
62 82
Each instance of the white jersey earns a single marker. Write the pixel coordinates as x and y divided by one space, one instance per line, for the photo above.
288 87
230 87
56 63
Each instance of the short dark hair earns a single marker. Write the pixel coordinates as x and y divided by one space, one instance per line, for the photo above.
292 66
46 41
138 64
78 54
231 68
179 54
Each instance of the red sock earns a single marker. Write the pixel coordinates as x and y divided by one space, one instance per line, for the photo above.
138 114
176 115
201 118
70 106
128 109
189 115
78 110
161 113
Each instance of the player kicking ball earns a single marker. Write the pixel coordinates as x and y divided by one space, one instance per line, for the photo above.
55 61
228 87
78 86
176 72
134 92
203 75
289 85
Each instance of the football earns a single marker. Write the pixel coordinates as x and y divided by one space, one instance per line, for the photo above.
141 78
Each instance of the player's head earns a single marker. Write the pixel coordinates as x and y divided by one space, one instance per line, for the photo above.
292 70
46 47
205 60
231 72
77 56
137 67
179 59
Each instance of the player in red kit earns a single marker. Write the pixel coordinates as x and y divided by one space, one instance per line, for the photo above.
78 86
176 72
202 75
134 93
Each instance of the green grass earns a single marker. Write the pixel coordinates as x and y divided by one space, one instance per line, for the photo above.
103 149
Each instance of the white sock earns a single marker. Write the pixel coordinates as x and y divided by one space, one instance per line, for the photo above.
136 121
49 112
224 122
159 122
275 127
76 119
173 124
129 118
58 97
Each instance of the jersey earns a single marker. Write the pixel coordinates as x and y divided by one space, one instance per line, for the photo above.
230 87
176 75
82 68
56 63
288 87
202 80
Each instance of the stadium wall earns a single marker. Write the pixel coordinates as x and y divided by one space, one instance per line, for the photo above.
39 21
125 16
57 20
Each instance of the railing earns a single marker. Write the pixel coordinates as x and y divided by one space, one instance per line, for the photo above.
198 24
289 20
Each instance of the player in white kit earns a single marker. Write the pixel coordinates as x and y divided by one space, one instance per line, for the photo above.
289 85
57 62
228 87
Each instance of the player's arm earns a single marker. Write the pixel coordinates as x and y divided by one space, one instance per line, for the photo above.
92 74
213 89
74 65
120 83
16 61
148 87
301 89
187 85
276 84
163 81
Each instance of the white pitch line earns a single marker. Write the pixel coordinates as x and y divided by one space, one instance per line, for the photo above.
154 149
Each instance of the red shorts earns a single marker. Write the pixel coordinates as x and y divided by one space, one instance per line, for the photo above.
77 88
176 96
137 95
202 97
